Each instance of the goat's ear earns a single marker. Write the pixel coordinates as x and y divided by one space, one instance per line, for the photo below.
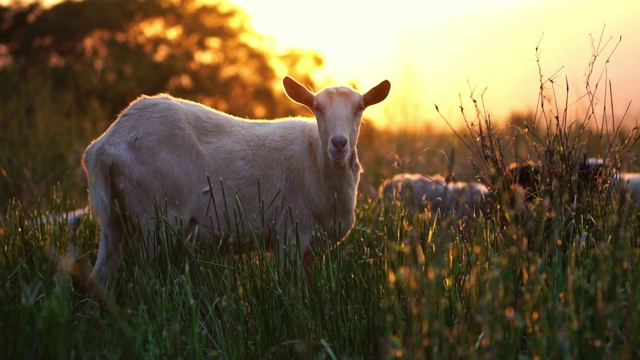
297 92
377 93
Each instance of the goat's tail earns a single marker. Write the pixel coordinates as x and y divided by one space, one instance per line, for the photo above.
97 168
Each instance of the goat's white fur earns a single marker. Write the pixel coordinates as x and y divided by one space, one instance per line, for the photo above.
631 185
435 193
186 156
71 218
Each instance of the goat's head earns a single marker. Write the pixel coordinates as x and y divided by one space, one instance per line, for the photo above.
523 181
526 175
338 111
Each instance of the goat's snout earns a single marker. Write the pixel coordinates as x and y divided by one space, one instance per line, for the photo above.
339 142
338 149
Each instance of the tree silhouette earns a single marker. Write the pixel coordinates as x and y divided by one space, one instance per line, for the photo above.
114 50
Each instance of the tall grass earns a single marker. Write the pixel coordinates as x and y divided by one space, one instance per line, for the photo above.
42 135
395 288
554 278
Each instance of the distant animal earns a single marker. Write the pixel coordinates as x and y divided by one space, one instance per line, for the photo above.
630 183
71 218
597 172
594 174
435 194
523 177
524 181
223 177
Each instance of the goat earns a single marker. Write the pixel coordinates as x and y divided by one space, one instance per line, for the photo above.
525 175
630 183
292 177
599 172
524 180
71 218
435 194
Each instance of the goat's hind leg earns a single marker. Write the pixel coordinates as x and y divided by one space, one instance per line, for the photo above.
109 252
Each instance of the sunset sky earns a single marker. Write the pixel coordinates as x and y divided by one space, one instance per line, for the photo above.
431 51
434 51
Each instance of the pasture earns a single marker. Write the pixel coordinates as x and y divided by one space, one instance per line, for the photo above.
554 278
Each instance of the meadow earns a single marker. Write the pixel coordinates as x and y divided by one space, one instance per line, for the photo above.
556 278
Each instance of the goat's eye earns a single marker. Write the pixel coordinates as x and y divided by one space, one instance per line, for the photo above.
317 109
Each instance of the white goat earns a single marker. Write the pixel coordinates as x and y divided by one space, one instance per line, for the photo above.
293 176
631 185
71 218
435 194
628 181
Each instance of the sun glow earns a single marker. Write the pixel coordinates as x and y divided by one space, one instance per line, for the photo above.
440 52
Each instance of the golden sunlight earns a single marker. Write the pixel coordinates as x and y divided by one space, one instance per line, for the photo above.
437 52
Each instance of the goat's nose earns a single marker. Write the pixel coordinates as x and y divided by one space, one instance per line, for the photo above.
339 142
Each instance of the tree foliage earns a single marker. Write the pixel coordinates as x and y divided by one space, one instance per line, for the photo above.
114 50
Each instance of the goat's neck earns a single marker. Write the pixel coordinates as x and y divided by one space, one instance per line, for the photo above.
342 177
338 179
335 183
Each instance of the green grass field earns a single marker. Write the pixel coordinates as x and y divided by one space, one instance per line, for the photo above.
561 287
557 278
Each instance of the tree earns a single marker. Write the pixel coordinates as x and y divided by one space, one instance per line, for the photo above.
114 50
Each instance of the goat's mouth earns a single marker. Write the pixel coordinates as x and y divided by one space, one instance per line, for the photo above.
338 156
339 148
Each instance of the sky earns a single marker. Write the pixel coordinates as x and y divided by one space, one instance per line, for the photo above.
438 52
441 52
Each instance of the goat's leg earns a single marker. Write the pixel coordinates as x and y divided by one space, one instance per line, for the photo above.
109 252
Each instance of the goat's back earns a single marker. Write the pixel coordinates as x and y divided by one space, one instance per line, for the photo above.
170 150
419 191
